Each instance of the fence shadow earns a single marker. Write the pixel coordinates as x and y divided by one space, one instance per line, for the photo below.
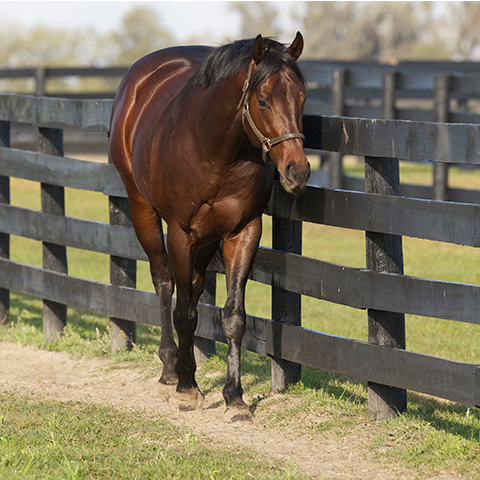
444 416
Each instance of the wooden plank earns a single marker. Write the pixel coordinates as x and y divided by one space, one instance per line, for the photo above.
17 72
353 287
114 301
104 72
87 115
203 348
71 232
477 389
418 218
440 377
359 288
340 79
412 217
61 171
123 272
420 141
456 195
442 114
50 141
286 306
4 237
52 72
384 253
18 108
90 115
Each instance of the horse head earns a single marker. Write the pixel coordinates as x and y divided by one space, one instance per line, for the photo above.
273 110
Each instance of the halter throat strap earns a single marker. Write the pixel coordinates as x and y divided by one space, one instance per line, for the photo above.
266 142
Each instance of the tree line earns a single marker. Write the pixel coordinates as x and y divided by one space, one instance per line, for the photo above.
380 31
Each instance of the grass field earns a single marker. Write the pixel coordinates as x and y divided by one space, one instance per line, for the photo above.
431 437
74 440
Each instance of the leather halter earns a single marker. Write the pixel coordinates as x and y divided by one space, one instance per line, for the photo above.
266 142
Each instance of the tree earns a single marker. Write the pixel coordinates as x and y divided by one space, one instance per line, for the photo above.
257 17
372 31
41 46
464 21
141 33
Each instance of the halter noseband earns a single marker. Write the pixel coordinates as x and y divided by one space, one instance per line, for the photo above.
267 144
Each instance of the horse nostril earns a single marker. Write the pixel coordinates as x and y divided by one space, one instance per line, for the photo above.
290 171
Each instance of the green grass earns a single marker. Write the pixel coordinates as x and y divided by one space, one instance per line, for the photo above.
432 437
73 440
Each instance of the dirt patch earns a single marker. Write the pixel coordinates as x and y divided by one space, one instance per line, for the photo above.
56 376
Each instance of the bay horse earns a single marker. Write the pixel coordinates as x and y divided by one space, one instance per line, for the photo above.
196 134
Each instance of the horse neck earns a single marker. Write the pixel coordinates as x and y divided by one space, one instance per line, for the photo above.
220 117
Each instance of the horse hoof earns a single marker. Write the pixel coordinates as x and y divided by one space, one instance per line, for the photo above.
187 401
237 413
166 391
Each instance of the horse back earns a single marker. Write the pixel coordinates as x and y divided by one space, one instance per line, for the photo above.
154 80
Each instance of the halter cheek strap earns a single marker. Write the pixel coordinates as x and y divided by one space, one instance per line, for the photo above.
266 143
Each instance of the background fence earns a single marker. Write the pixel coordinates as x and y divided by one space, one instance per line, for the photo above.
421 91
381 287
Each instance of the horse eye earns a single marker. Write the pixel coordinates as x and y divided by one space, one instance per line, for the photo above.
262 103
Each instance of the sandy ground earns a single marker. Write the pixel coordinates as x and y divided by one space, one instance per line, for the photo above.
56 376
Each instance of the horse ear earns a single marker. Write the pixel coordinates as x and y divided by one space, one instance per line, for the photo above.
258 49
296 48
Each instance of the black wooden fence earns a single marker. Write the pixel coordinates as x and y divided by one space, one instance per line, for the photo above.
420 91
381 288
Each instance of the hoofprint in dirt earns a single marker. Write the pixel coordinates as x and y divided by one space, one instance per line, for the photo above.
56 376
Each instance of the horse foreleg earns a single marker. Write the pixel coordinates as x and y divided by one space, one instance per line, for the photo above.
239 253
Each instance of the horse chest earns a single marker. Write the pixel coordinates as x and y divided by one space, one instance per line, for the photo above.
221 218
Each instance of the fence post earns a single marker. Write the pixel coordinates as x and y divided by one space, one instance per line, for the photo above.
442 110
4 237
50 141
123 272
384 254
390 80
338 109
203 347
286 306
40 81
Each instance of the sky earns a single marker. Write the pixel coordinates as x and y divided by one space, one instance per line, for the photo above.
183 19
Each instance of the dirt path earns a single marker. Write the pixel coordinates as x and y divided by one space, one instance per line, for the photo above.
56 376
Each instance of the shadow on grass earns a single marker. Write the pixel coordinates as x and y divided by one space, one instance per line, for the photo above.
27 310
445 416
333 385
442 416
256 371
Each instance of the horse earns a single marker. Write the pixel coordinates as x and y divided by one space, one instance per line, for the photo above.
196 135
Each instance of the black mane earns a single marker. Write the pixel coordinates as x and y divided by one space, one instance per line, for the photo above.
231 59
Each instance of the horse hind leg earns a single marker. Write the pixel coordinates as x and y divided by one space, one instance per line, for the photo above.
189 264
148 227
168 350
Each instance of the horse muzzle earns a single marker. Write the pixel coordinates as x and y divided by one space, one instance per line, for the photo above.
295 177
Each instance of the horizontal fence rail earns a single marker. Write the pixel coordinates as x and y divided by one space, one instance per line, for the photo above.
435 91
364 81
355 287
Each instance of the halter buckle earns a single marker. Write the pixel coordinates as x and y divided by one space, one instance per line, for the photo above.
266 145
